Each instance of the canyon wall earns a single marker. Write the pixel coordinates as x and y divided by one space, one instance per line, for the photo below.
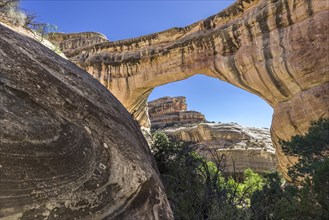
276 49
168 111
243 147
68 148
166 105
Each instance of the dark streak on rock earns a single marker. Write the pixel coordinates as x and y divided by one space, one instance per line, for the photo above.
278 15
229 48
262 22
310 11
182 56
207 24
283 4
127 83
217 71
237 75
213 46
229 45
248 28
152 55
236 39
260 77
286 5
144 97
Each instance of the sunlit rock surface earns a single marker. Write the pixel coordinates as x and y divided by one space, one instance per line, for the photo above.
275 49
243 147
68 148
167 111
76 40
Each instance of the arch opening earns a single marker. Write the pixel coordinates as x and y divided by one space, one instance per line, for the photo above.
218 101
214 116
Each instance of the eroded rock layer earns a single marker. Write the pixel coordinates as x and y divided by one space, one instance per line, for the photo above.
166 105
77 40
243 147
169 111
68 148
276 49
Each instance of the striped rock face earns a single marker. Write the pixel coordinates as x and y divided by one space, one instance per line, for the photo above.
241 147
68 148
276 49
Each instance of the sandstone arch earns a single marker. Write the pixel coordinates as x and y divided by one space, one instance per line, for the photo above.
276 49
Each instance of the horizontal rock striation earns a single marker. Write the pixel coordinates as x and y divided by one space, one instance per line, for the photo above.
68 42
169 111
166 105
68 148
276 49
243 147
176 119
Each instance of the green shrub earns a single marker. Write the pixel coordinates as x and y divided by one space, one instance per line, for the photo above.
310 200
311 149
197 188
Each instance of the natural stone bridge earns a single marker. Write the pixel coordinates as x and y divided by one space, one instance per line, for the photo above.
276 49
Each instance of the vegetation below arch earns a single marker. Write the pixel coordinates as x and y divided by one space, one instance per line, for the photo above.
197 189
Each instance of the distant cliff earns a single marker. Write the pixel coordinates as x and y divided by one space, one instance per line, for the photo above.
169 111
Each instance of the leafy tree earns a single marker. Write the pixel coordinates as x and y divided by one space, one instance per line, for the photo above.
263 201
310 200
321 187
311 149
197 188
42 29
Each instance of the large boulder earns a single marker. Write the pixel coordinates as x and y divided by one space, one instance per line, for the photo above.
68 148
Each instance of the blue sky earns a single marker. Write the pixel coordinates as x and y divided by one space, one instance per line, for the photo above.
217 100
